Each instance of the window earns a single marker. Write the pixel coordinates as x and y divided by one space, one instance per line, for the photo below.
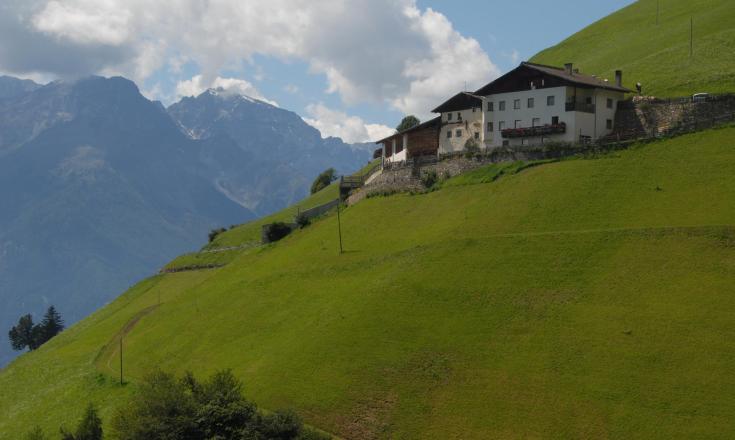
489 106
609 103
459 116
609 124
525 141
449 134
517 104
549 100
536 122
501 125
518 123
555 120
588 100
506 143
501 106
458 133
490 127
449 116
530 102
477 136
473 109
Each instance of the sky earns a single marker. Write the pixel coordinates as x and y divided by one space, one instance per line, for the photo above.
351 68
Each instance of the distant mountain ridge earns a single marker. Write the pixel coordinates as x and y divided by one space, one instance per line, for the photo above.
281 146
11 87
101 186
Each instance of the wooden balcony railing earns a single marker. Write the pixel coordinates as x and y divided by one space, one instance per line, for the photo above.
580 107
544 130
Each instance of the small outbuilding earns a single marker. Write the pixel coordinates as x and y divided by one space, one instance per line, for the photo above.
421 140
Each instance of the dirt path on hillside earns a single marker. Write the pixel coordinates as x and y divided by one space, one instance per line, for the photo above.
109 351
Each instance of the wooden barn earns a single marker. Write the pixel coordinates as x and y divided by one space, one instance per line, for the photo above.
421 140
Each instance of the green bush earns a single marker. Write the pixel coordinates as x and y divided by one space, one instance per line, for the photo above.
323 180
471 148
276 231
429 179
167 408
302 220
215 232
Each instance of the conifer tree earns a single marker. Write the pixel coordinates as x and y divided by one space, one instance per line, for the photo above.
89 428
51 325
35 434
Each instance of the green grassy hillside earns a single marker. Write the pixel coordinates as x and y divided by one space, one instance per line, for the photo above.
658 55
588 298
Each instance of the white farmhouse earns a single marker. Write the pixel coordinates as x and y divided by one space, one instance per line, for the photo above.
531 105
462 119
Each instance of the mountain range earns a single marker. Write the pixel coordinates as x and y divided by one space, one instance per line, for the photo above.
99 186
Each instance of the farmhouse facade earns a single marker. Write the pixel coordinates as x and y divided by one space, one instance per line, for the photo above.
534 104
531 105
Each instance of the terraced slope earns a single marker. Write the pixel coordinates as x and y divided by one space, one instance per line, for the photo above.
658 56
589 298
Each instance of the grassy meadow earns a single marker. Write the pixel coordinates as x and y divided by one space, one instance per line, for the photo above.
658 55
586 298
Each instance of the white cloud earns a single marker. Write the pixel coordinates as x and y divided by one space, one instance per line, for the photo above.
85 21
388 52
351 129
514 56
197 85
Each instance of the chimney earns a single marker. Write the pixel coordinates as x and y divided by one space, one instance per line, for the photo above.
619 78
569 67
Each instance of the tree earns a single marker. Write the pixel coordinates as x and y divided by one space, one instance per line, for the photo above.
215 232
22 335
51 325
167 408
162 408
89 428
323 180
409 121
222 411
35 434
26 334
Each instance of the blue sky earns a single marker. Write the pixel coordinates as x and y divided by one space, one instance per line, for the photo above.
351 68
508 31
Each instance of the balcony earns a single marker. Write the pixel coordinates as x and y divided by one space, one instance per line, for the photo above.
580 106
525 132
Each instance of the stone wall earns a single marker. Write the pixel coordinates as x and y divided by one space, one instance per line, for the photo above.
662 117
406 177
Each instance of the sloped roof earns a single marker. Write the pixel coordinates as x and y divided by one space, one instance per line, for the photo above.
576 78
435 121
460 101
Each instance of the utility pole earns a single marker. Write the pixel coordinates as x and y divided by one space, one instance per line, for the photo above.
339 227
121 359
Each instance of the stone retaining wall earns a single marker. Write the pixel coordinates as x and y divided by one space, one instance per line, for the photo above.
663 117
